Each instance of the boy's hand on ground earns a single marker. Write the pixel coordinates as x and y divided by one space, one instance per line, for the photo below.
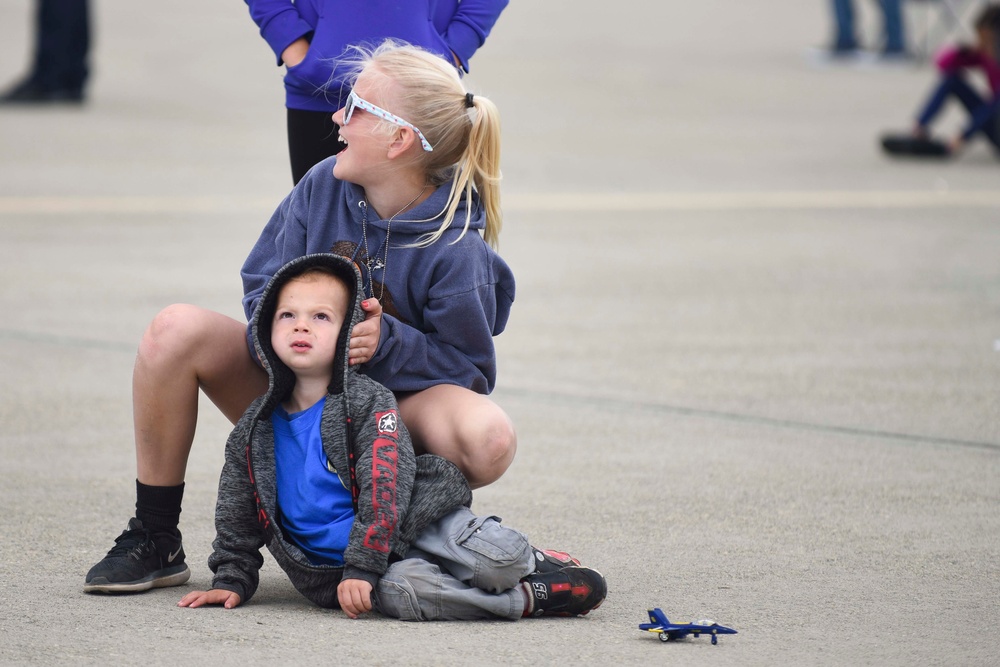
355 596
366 334
215 596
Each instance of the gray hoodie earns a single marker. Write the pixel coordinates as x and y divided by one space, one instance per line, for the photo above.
396 494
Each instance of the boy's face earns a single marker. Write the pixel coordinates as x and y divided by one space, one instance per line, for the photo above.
307 323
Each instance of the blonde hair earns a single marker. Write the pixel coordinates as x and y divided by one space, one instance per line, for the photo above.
466 140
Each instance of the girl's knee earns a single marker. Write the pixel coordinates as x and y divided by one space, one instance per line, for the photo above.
494 450
500 443
170 322
169 334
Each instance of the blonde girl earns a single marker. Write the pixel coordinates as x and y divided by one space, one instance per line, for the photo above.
413 199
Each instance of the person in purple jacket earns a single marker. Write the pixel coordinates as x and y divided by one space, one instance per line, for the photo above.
413 200
310 38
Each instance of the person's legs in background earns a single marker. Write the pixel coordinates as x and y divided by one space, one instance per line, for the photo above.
843 12
312 137
62 41
892 13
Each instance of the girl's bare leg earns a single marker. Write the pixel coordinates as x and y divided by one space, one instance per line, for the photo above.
466 428
186 348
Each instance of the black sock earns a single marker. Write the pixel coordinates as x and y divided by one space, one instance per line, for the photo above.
159 507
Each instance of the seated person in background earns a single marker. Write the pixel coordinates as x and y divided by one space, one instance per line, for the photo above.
984 110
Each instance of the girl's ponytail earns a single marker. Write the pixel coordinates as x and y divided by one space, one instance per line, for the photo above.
463 129
479 168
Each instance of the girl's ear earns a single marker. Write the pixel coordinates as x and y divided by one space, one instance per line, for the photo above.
403 139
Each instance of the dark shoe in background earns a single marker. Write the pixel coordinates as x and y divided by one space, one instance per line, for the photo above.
29 92
908 145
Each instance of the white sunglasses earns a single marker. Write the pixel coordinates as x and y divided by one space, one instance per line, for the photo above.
355 102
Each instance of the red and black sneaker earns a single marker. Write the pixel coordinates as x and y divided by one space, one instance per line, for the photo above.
548 560
569 591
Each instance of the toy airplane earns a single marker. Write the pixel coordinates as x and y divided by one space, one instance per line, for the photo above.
658 624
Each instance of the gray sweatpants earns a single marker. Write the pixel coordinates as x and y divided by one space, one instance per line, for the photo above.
462 567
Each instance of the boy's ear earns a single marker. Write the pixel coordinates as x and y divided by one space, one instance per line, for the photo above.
402 140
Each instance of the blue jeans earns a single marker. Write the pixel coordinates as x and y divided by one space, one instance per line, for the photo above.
892 14
985 114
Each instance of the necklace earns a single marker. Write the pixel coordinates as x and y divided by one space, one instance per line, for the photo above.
374 263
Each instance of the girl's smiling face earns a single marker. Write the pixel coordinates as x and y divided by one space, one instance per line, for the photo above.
365 147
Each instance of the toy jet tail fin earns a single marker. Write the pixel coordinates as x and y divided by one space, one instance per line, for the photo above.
657 616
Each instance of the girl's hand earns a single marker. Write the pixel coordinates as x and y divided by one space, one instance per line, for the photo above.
366 334
355 596
228 599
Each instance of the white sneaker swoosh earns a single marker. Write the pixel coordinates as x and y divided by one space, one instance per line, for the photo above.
172 556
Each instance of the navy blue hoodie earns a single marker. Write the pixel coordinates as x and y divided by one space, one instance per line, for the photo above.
442 303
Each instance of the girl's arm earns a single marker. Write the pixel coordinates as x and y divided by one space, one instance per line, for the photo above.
457 350
466 306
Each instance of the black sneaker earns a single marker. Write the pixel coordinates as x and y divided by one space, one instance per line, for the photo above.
547 560
137 563
570 591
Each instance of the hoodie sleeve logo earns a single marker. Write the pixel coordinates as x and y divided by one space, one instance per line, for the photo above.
388 423
384 462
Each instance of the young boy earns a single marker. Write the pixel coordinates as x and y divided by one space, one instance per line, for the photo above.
322 471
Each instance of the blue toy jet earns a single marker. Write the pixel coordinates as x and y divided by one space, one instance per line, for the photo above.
658 624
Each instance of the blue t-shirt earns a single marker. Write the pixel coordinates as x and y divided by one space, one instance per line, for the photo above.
314 508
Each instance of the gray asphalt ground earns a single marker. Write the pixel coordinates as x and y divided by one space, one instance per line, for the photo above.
753 363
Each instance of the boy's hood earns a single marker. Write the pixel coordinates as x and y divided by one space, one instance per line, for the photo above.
281 379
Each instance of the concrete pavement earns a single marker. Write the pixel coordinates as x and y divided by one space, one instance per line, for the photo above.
753 364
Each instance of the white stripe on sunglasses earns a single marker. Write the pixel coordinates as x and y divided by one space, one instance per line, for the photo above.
353 102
